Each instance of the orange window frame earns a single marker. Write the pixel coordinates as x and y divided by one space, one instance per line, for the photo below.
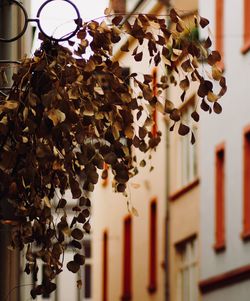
219 30
127 260
220 239
153 247
246 27
105 267
246 183
154 83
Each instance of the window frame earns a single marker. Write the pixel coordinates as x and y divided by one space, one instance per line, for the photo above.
152 287
246 181
127 259
105 267
187 263
246 27
220 231
155 115
219 30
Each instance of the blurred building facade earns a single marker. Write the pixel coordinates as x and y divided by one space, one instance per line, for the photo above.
156 255
183 185
11 24
129 250
224 143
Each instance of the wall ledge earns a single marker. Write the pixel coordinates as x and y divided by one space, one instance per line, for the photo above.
225 279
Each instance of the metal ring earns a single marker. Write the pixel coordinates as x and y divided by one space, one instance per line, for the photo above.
70 35
25 24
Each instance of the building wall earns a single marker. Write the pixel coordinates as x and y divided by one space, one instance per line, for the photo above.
184 191
110 211
227 128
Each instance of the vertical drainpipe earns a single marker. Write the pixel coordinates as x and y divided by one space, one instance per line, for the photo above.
9 260
167 218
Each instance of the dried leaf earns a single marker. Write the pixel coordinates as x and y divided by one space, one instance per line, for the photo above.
217 108
117 20
56 116
77 234
183 129
203 22
138 57
73 267
134 211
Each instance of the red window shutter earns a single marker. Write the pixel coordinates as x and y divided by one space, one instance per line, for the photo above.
154 83
220 198
105 267
127 260
153 248
246 29
219 29
246 184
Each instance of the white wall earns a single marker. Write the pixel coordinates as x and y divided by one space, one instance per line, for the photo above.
227 128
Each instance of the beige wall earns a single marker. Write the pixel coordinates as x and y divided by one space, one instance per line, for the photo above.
184 200
110 210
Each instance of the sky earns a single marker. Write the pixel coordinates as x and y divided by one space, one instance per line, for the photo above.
56 17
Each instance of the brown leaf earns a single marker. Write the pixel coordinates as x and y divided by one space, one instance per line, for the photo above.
117 20
186 66
73 267
174 16
175 115
203 22
138 56
208 43
192 138
195 116
79 259
216 72
204 106
61 204
56 116
183 129
77 234
217 108
184 84
213 58
125 47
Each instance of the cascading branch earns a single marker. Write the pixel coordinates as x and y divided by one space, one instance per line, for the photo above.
66 115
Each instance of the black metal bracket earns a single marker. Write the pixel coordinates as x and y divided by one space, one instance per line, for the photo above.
78 22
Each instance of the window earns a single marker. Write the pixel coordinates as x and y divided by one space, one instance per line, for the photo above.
187 159
219 198
105 267
87 270
154 83
127 260
153 248
187 260
246 28
219 29
246 183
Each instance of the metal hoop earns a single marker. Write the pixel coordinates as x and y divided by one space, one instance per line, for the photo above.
25 23
68 36
27 20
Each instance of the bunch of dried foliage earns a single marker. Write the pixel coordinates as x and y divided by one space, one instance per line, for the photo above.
61 123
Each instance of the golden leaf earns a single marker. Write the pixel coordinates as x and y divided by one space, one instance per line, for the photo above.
56 116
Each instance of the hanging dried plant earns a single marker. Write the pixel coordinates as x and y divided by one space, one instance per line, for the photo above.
62 122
